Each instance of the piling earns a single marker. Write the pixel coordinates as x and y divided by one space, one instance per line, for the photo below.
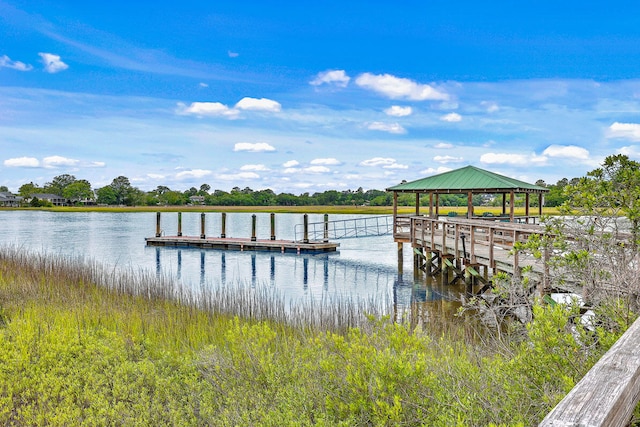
273 226
158 231
326 228
253 227
223 233
306 229
202 224
179 224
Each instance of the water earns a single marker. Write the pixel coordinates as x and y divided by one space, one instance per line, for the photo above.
363 268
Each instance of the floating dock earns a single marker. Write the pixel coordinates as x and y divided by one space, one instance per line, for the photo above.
242 244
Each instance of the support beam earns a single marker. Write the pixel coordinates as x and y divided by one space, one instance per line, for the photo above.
470 205
512 200
417 204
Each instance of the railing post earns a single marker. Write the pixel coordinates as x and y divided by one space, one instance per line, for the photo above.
179 224
202 226
223 234
305 239
253 227
158 229
273 226
326 228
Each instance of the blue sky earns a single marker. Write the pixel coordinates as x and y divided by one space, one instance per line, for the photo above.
305 97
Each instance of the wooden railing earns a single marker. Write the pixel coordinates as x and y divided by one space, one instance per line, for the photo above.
608 394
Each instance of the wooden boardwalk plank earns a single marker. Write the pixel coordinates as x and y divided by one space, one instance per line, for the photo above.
242 244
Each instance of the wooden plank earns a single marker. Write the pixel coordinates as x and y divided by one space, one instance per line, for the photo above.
608 393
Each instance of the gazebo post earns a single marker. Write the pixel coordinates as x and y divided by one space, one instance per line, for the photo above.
504 203
395 211
512 198
431 204
526 208
470 204
437 205
540 203
417 203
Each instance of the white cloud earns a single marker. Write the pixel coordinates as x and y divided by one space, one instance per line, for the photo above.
201 84
512 159
451 117
232 54
328 161
255 104
432 171
58 161
194 173
566 151
155 176
398 111
331 77
238 176
448 159
399 88
630 131
258 168
317 169
95 164
52 63
22 162
211 109
6 62
387 127
291 163
633 151
257 147
443 146
490 106
384 162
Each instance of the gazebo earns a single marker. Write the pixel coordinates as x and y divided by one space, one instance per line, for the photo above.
469 180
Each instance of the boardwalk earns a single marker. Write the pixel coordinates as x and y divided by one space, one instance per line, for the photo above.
476 243
242 244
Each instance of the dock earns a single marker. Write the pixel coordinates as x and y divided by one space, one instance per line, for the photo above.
242 244
304 245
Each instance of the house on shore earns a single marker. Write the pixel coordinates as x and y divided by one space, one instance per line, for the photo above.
9 200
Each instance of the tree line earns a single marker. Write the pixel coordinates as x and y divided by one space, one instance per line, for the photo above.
121 192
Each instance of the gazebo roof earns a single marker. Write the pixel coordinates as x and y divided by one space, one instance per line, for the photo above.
466 179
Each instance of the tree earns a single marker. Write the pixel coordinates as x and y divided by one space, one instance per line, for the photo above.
122 190
204 189
106 195
78 190
26 190
59 183
4 189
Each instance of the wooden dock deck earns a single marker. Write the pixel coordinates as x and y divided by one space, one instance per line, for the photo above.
242 244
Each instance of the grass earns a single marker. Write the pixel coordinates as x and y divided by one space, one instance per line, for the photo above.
85 345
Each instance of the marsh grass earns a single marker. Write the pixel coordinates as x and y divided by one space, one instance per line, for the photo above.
82 344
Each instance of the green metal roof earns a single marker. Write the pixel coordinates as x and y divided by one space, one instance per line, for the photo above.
468 178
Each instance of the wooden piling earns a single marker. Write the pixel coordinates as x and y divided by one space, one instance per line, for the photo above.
158 229
253 227
179 224
202 227
223 233
306 229
273 226
326 228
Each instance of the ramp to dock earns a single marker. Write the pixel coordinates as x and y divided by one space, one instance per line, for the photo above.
367 226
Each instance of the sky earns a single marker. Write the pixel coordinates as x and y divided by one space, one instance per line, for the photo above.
313 96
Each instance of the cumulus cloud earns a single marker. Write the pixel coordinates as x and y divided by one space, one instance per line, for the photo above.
253 147
383 162
194 173
58 161
309 169
512 159
290 164
22 162
331 77
633 151
451 117
399 88
630 131
435 171
238 176
255 104
210 109
52 63
6 62
232 54
566 151
328 161
258 168
387 127
448 159
398 111
95 164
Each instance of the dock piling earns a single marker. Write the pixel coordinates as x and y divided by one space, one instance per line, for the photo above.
202 226
253 227
306 229
326 228
158 230
179 223
223 234
273 226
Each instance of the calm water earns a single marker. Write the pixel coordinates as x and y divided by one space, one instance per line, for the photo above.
364 268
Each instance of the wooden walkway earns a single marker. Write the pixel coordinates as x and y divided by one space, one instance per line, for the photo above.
464 246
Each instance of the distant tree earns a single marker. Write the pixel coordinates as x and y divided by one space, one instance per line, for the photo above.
191 192
122 190
59 183
26 190
204 190
4 189
106 196
78 190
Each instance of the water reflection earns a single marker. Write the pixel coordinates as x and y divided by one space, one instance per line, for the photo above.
415 295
